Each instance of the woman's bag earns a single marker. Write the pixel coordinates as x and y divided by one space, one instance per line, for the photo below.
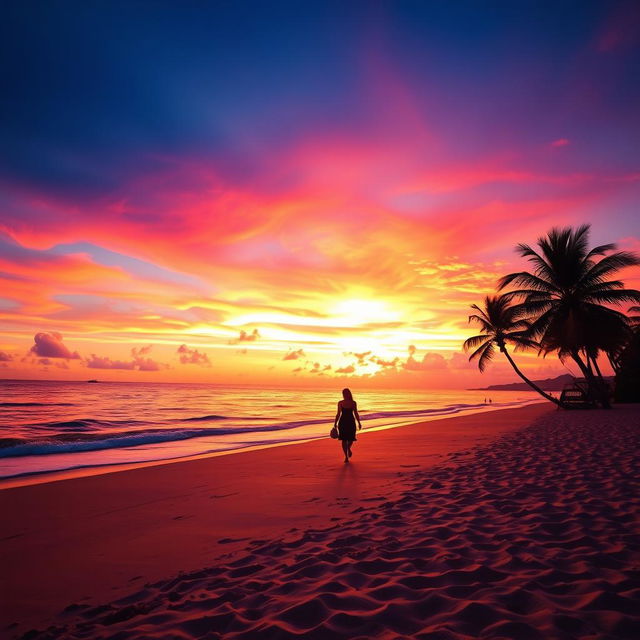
333 433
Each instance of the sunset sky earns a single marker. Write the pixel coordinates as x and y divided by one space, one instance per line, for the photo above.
298 193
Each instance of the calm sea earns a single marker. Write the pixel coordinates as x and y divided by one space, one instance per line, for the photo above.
57 426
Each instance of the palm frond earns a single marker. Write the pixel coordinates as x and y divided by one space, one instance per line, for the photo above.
615 296
474 341
482 312
526 250
530 281
541 323
521 340
601 250
526 347
611 263
581 237
486 357
603 286
484 324
600 313
532 307
478 352
509 296
542 266
527 295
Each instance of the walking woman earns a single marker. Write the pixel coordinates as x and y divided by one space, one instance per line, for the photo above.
346 422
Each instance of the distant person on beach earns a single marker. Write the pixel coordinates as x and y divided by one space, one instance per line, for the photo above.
346 422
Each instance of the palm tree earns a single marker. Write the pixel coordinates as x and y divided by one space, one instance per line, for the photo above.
626 361
499 325
617 347
565 297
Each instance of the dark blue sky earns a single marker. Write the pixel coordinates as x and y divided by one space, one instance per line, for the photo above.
93 90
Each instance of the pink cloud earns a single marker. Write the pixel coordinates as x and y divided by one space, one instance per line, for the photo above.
149 365
98 362
5 357
137 362
145 364
50 345
193 356
460 361
429 362
140 351
560 142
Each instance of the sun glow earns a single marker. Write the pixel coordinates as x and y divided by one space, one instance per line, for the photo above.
357 312
340 225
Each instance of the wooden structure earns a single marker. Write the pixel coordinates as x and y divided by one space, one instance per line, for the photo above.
576 395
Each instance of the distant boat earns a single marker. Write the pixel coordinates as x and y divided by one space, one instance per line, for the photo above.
92 380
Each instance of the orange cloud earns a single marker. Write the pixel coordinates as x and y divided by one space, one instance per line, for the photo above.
346 370
294 355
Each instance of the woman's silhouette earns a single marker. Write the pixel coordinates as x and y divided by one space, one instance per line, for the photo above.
346 422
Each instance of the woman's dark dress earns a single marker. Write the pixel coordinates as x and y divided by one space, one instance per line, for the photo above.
347 425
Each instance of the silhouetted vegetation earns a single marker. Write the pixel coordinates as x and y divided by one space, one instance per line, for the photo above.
626 363
499 326
564 306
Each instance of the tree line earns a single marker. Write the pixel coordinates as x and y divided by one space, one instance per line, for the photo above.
566 305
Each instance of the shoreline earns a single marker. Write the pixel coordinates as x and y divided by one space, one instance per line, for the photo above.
42 477
92 539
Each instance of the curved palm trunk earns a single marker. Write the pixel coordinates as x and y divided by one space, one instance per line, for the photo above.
588 362
604 386
613 361
597 368
533 385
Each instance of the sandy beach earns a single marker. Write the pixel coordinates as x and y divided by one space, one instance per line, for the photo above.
519 523
227 228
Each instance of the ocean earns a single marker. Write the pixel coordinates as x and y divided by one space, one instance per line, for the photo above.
48 427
